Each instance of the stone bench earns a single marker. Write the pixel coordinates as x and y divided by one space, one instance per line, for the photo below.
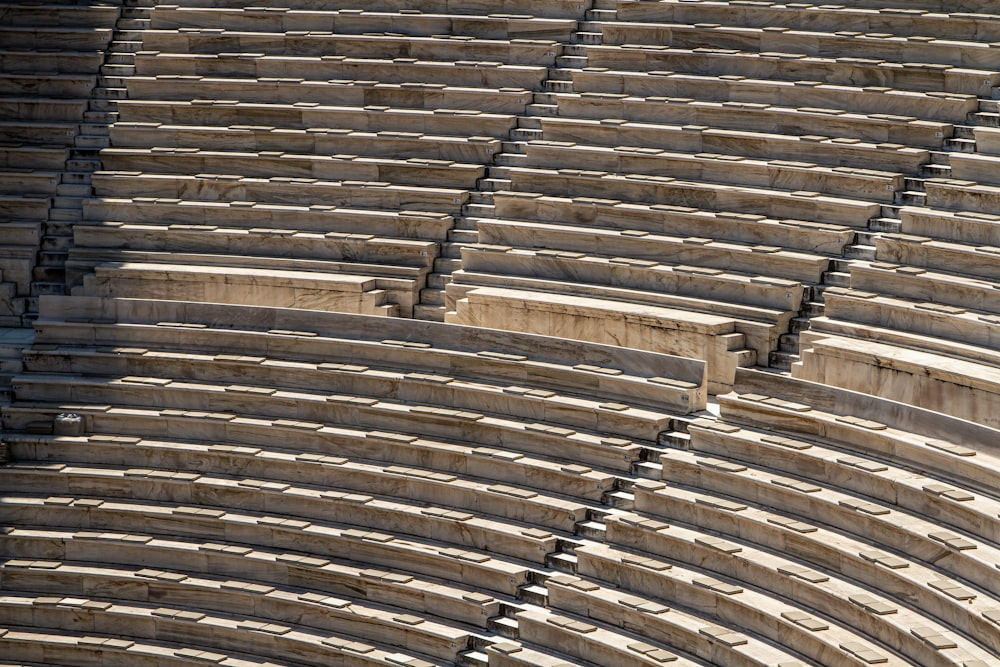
47 645
313 43
934 381
754 260
414 224
306 116
343 582
765 145
883 47
55 133
919 284
754 117
649 189
268 164
866 426
961 226
272 287
31 61
471 73
885 524
812 460
987 140
321 141
784 175
46 85
672 220
15 181
554 9
204 633
962 195
916 252
903 22
336 92
259 19
422 556
738 565
69 38
280 190
42 109
697 335
28 157
930 319
933 104
57 14
25 207
975 167
728 627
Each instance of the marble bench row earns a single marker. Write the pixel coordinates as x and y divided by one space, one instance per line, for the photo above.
554 9
64 85
962 195
467 73
934 104
354 21
70 38
867 184
336 92
670 220
58 14
961 25
652 189
809 41
959 226
56 133
215 634
751 555
822 150
307 115
976 167
601 372
756 117
30 108
537 52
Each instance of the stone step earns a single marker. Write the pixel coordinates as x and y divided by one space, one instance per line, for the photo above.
571 62
884 225
782 361
910 198
837 279
428 312
432 297
860 251
960 145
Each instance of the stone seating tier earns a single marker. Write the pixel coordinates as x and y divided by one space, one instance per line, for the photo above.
46 85
389 45
695 139
399 70
336 92
933 288
554 9
757 117
953 25
651 189
414 24
69 38
922 252
306 116
670 220
787 175
882 47
961 226
847 69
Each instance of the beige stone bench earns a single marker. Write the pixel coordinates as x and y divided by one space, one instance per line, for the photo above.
69 85
48 644
554 9
737 563
932 103
728 627
359 93
314 43
321 141
269 287
975 261
867 426
964 389
987 140
378 549
766 145
55 133
57 14
810 458
961 226
962 195
260 19
42 109
265 164
32 61
885 524
926 285
637 217
204 633
305 116
319 218
697 335
758 117
786 175
330 582
642 188
975 167
832 19
25 207
473 73
27 157
69 38
755 260
279 190
884 47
